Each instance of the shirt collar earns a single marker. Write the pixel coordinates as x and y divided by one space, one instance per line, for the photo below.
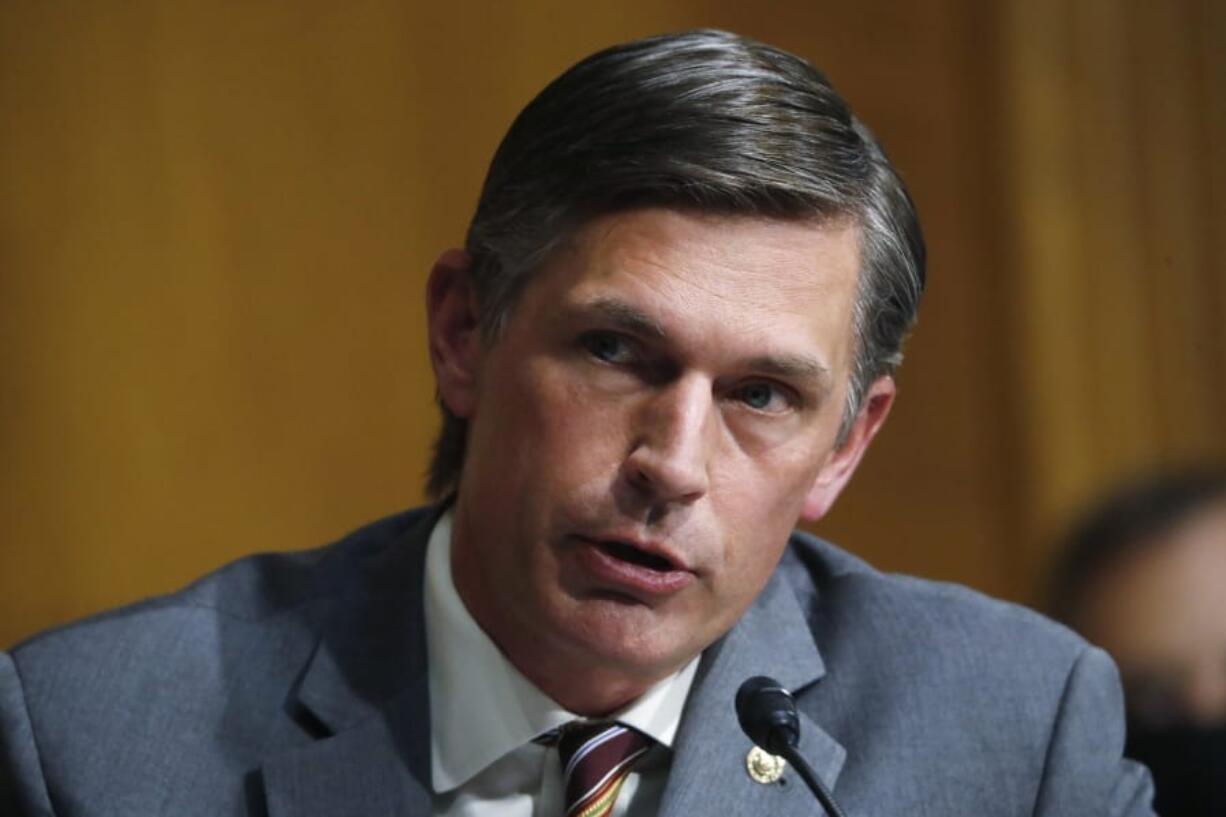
481 707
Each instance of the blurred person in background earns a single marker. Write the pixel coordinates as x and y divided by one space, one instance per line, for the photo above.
1143 575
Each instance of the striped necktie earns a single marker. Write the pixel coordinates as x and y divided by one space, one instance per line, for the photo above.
596 758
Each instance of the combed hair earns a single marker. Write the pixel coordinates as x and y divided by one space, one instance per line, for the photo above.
702 120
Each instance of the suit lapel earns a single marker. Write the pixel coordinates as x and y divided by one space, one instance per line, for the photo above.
709 774
377 768
365 691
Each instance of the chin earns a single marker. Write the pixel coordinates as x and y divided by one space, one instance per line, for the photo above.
637 645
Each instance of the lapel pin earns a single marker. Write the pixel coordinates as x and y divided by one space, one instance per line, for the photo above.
764 767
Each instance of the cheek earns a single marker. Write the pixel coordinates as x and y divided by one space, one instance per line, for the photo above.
756 493
760 508
749 562
758 551
550 430
569 405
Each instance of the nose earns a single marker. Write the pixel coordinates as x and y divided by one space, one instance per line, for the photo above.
669 458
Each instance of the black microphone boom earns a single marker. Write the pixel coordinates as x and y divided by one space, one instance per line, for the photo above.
767 714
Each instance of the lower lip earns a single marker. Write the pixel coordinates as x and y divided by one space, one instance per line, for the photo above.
618 574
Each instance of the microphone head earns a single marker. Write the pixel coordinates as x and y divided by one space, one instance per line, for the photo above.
767 714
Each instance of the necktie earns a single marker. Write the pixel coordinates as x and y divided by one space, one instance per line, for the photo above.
596 758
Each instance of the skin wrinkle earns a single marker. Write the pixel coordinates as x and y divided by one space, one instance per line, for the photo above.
752 280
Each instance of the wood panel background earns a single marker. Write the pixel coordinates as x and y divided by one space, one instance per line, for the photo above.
216 220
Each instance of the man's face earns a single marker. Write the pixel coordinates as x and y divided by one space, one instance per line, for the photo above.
660 408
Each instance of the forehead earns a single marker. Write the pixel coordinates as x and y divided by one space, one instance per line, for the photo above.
745 257
696 273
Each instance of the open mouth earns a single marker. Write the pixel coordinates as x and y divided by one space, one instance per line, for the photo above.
638 572
631 554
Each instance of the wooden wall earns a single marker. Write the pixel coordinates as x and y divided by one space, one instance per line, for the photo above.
217 218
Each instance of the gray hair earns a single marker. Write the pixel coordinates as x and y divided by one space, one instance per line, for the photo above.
702 120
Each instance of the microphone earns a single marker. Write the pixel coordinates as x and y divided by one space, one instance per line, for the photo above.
767 714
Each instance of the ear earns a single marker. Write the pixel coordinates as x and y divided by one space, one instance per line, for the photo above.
842 462
453 331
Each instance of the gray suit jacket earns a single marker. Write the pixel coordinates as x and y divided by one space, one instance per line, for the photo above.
295 684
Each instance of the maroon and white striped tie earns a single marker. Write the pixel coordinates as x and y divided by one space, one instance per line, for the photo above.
596 758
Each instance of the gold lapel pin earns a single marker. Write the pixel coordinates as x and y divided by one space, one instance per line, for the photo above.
764 767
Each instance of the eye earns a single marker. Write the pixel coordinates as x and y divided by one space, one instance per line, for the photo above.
762 396
607 347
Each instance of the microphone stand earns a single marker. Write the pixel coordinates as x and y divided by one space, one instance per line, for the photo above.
767 714
792 755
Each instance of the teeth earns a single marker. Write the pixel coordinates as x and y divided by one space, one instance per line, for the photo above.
635 556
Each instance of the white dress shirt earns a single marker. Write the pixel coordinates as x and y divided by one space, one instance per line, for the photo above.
484 715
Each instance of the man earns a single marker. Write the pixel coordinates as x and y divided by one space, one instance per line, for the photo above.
1143 575
669 336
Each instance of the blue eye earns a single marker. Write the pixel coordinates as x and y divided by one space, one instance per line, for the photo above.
765 397
757 395
607 347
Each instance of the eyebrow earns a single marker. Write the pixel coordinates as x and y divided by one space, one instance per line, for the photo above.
625 316
632 319
792 367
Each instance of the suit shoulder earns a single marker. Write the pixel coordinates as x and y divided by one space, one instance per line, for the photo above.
956 693
900 610
106 698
